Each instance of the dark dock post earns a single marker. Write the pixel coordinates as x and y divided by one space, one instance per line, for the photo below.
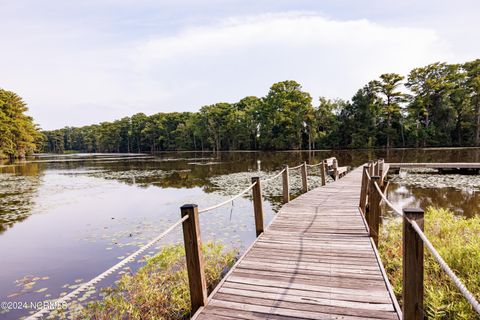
304 177
257 205
323 172
286 187
364 190
335 169
194 257
412 265
373 217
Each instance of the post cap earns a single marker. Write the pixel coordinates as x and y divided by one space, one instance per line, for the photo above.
255 178
189 206
413 211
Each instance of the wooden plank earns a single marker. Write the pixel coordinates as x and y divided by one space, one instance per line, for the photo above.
437 165
283 311
314 261
305 305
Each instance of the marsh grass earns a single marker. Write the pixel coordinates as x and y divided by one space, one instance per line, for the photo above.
159 290
457 239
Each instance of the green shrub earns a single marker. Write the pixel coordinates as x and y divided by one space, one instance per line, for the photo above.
457 239
159 290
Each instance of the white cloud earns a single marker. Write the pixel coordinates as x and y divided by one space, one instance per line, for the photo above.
244 56
82 80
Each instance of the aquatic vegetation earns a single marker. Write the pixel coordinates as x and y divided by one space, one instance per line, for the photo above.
231 184
457 239
159 290
16 193
427 178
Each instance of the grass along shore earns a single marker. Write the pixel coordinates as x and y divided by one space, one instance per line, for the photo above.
159 290
457 239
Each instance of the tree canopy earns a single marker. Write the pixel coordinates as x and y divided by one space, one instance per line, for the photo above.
18 134
434 105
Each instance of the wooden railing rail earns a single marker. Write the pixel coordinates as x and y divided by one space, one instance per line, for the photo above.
191 226
192 237
372 193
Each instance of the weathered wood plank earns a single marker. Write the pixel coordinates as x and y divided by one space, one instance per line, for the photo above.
436 165
314 261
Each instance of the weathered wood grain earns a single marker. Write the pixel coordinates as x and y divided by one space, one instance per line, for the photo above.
314 261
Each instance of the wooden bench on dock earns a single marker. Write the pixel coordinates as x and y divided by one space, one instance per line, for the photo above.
332 168
316 260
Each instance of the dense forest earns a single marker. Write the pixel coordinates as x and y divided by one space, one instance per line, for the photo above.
435 105
19 136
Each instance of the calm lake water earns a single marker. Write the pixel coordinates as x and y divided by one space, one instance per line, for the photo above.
65 219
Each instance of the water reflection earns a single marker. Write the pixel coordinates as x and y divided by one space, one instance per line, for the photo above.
19 182
463 202
84 215
18 187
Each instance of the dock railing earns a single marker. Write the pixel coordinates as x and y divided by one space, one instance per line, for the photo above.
372 193
192 235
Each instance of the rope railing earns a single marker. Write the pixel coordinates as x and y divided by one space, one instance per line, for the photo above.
314 165
190 213
458 283
229 200
103 275
275 176
296 167
384 199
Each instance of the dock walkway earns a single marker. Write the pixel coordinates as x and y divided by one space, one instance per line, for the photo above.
315 261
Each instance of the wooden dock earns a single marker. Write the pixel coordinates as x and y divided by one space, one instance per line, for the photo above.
436 165
315 261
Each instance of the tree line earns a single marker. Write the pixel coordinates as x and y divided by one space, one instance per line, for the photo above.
435 105
19 135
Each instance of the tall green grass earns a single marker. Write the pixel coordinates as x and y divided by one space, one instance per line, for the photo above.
159 290
457 239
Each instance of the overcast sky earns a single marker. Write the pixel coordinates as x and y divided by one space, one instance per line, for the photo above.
83 62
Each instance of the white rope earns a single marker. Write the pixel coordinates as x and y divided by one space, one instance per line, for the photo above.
465 292
368 175
384 198
314 165
229 200
274 177
300 165
106 273
131 257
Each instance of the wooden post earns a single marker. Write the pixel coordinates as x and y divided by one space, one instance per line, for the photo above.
304 177
335 169
380 171
323 172
412 265
373 217
364 190
257 205
286 187
194 257
371 167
